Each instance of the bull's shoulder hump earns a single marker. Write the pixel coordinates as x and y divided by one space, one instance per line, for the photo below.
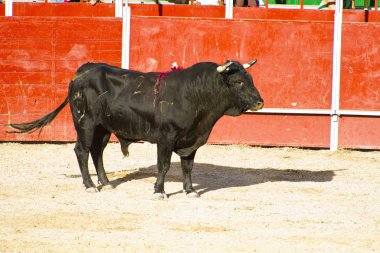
93 65
204 65
201 67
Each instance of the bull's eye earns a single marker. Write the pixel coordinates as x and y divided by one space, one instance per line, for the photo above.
241 83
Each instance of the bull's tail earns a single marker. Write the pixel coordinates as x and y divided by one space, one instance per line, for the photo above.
30 127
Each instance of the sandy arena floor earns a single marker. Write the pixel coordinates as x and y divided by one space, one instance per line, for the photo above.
252 200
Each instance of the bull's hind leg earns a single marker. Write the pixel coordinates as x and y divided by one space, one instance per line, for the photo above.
99 143
82 151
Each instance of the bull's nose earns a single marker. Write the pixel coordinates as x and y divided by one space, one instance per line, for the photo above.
259 105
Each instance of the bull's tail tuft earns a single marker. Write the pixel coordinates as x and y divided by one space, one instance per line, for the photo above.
30 127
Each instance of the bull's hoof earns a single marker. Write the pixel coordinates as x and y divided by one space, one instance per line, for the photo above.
193 195
92 189
107 187
160 196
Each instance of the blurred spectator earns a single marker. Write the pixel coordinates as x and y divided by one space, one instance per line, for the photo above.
208 2
92 2
178 1
237 3
330 4
246 3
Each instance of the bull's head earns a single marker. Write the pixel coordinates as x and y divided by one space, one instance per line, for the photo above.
244 95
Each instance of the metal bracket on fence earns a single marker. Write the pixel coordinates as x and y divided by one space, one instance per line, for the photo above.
334 118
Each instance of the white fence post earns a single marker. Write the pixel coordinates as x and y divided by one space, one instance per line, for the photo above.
229 9
118 8
8 8
126 34
334 134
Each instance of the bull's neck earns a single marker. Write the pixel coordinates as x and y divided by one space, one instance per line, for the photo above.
210 96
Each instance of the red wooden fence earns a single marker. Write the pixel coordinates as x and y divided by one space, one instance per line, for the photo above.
39 55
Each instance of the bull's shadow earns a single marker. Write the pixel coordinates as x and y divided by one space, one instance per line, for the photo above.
209 177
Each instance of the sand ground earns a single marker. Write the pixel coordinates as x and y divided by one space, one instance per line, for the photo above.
252 200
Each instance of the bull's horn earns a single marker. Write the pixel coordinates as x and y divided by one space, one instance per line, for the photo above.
222 68
249 64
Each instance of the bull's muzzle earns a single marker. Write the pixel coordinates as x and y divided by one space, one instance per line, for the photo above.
259 105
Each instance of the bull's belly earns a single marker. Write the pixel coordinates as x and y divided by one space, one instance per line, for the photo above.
136 129
190 143
185 152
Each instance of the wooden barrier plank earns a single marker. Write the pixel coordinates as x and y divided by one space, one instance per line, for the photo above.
99 29
16 77
273 130
25 65
359 132
100 45
360 74
24 28
26 99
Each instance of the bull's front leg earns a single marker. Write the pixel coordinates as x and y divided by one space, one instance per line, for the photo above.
164 154
187 166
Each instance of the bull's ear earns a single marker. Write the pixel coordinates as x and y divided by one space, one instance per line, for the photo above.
224 67
249 64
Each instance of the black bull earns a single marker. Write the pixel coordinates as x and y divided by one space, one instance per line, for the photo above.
176 110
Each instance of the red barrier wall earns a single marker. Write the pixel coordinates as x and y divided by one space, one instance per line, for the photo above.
39 55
